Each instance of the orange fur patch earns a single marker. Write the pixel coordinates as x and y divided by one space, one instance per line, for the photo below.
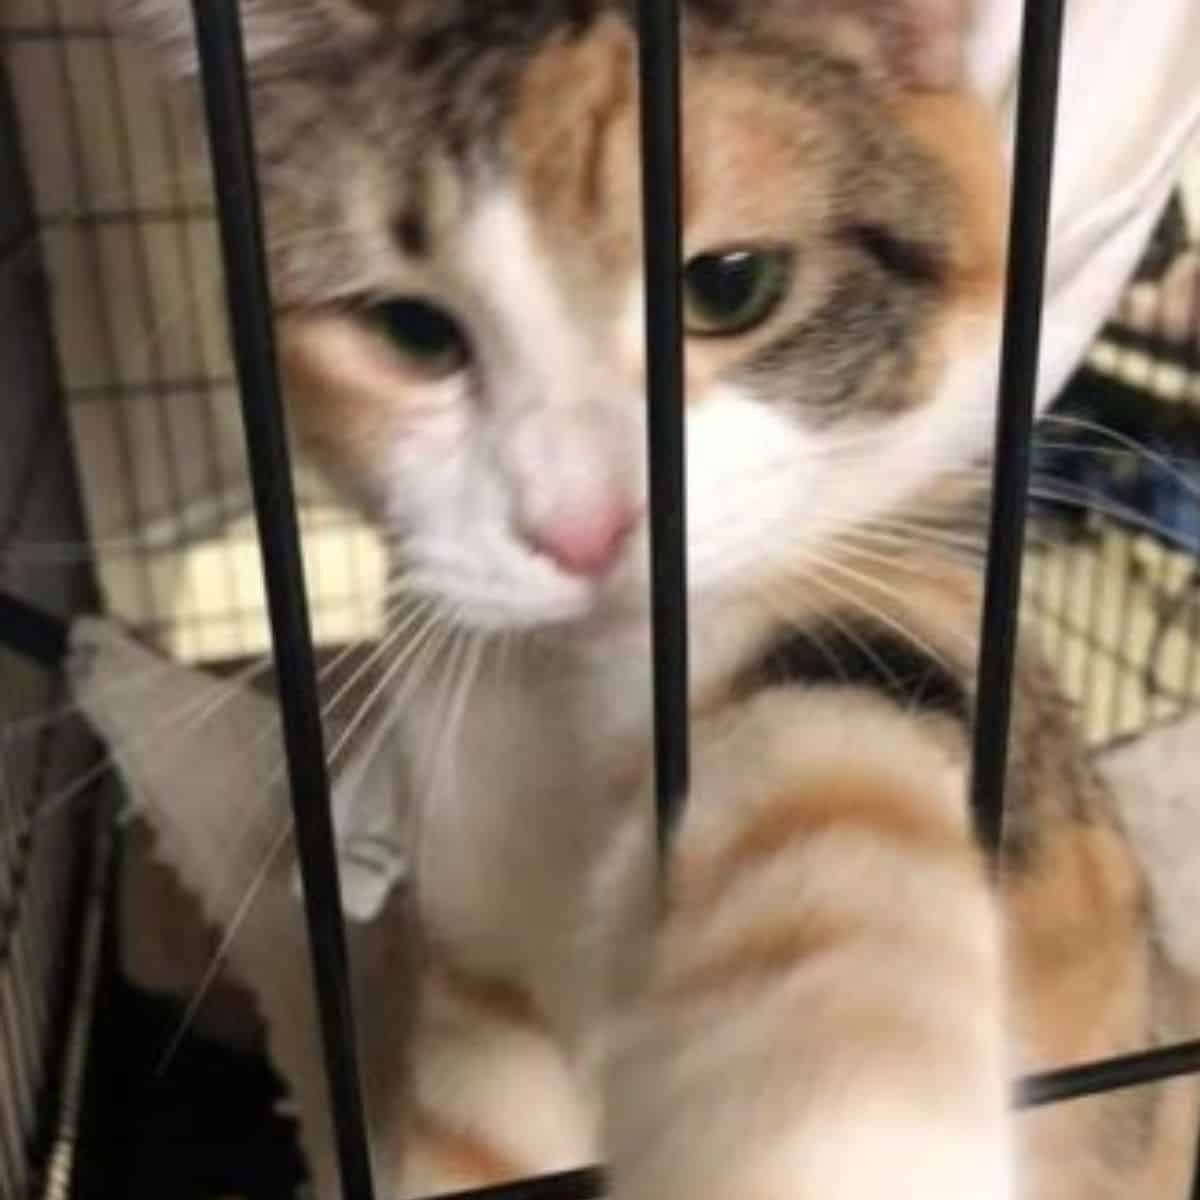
571 138
463 1154
840 802
1079 924
750 160
758 955
958 133
497 998
346 394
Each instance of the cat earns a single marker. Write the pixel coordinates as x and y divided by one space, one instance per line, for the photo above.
827 990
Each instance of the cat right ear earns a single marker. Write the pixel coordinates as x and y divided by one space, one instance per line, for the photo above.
272 30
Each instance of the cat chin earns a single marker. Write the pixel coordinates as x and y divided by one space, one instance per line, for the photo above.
616 629
584 624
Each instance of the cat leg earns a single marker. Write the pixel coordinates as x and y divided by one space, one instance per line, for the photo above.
814 1004
493 1097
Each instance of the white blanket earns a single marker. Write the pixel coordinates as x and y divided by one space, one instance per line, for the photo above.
1129 112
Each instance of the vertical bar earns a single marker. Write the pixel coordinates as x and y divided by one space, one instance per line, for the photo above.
1037 115
223 75
1190 398
659 39
1188 692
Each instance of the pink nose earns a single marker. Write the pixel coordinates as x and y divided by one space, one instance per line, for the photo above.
586 544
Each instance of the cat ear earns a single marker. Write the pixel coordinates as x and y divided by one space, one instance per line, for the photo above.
271 29
918 44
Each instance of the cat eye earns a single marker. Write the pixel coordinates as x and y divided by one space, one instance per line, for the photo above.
428 336
731 291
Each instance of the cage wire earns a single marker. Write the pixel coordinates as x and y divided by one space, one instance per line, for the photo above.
1113 586
128 230
131 389
44 857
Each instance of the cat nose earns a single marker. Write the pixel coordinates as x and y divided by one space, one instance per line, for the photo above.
587 543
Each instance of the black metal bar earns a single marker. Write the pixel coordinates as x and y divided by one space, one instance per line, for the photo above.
32 633
659 34
223 75
1037 112
1129 1070
1194 1193
585 1184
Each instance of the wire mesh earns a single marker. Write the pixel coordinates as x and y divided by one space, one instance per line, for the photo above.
42 856
1112 589
128 228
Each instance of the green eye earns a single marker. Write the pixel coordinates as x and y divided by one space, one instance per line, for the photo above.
428 336
732 291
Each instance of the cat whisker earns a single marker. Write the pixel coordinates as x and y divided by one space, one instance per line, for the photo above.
33 725
328 708
1130 517
473 659
280 841
1085 499
180 720
430 623
857 578
184 719
213 970
909 536
1127 443
848 631
1080 448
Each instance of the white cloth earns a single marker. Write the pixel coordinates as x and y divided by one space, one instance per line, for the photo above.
1129 110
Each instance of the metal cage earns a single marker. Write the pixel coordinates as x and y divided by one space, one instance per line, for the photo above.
29 1032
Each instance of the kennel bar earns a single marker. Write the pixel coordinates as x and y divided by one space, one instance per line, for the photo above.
223 76
231 141
1037 120
45 867
659 33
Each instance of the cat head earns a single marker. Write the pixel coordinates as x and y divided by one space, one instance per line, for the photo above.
452 195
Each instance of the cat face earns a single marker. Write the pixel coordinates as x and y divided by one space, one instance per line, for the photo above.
453 204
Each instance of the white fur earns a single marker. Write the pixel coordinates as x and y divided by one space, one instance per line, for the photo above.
550 420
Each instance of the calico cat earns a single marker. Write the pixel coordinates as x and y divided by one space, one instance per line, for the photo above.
828 991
